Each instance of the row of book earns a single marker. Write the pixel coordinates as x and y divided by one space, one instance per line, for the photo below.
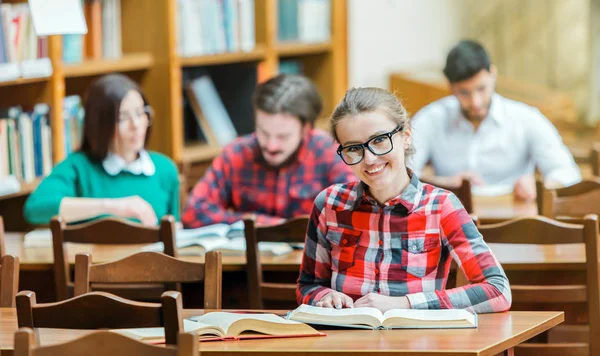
103 40
304 20
26 138
25 143
215 26
22 52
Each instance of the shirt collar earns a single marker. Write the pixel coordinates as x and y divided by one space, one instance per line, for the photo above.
114 164
409 198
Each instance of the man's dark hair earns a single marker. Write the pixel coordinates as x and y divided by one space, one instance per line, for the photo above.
289 94
102 106
465 60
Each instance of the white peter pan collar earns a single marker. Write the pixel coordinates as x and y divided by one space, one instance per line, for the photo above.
114 164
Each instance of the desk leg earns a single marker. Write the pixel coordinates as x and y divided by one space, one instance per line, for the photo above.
509 352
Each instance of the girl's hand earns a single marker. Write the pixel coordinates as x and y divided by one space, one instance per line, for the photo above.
335 299
135 207
382 302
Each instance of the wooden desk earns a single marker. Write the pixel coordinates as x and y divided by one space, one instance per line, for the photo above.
497 333
41 258
512 257
502 207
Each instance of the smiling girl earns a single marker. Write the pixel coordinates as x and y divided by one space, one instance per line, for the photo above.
387 241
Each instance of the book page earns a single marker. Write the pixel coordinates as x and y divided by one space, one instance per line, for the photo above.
159 333
238 244
206 243
331 316
441 318
438 314
236 229
228 322
216 230
38 238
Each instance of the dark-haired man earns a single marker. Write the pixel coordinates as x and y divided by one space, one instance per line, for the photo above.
493 141
276 172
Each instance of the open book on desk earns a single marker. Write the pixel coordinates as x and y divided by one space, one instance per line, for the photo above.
228 239
216 326
371 318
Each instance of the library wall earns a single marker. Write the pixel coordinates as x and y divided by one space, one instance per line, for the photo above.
548 44
386 36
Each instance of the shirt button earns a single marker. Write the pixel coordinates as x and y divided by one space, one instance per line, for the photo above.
344 241
380 242
414 248
377 271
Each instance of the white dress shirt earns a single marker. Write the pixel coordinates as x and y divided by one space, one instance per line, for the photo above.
510 142
114 164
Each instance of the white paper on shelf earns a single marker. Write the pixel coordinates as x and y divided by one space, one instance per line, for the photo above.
57 17
9 71
36 68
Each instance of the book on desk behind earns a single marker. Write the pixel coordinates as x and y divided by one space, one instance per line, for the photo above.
216 326
371 318
228 239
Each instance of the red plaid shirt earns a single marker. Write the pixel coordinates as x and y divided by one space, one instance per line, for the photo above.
404 248
239 182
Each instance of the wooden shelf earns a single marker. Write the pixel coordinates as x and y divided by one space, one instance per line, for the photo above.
302 49
21 81
127 63
257 55
200 152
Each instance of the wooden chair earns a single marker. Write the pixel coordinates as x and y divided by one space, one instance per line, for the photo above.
152 267
292 230
101 310
102 343
591 158
9 280
462 192
577 200
2 246
103 231
540 230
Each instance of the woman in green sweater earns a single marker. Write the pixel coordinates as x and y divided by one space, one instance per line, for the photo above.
112 174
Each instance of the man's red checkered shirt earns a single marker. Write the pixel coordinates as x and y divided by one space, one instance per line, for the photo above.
239 182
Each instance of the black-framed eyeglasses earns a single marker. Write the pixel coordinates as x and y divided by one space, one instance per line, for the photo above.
143 115
378 145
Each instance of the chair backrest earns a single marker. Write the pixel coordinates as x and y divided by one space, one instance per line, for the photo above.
541 230
101 310
153 267
576 200
102 343
292 230
592 158
103 231
2 245
9 280
462 192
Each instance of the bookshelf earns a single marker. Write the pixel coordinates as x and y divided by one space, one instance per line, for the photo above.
150 57
128 63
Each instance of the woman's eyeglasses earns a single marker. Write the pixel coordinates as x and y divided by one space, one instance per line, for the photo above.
378 145
142 116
